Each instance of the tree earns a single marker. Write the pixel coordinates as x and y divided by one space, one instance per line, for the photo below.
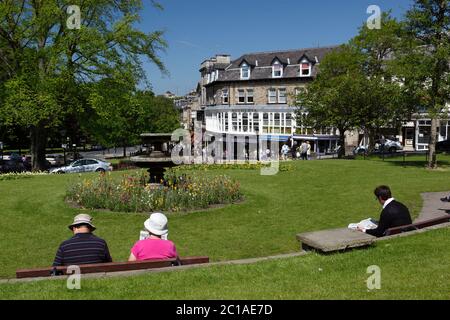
118 113
384 106
423 61
48 62
334 99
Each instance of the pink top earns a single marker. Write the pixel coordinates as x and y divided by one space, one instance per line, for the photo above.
154 249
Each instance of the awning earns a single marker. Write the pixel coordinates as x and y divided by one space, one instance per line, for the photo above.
275 138
315 137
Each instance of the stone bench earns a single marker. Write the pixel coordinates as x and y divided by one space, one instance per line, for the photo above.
344 238
334 240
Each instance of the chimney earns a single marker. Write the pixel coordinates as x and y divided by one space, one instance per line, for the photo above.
223 58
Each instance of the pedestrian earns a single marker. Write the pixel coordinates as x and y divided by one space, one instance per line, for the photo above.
284 152
304 150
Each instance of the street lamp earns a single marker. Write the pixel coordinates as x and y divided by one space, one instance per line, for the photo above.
257 143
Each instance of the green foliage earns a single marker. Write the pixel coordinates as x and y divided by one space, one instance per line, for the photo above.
274 211
180 192
19 176
335 98
45 66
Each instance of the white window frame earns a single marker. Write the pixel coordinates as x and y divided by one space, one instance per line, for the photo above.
247 95
225 96
309 69
279 95
246 66
277 64
243 96
269 96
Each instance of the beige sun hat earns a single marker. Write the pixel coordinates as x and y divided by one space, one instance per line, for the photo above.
82 219
157 224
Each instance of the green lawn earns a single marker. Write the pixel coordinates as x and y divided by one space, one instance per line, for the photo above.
315 195
411 268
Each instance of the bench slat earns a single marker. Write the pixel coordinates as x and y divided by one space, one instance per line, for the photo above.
418 225
111 267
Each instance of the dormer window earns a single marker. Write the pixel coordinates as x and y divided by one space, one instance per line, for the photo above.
277 70
245 71
305 69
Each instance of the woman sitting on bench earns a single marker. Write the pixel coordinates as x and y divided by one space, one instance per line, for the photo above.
156 246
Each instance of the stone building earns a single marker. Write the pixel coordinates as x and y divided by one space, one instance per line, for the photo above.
255 95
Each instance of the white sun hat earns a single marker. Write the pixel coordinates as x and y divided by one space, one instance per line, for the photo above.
157 224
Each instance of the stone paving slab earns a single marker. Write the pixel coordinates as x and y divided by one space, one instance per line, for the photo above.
335 239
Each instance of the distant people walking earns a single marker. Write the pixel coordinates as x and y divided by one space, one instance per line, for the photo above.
284 152
304 151
156 246
83 247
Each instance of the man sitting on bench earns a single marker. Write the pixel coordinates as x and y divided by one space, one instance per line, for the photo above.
83 247
394 213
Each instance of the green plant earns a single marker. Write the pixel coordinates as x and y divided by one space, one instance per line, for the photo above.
179 192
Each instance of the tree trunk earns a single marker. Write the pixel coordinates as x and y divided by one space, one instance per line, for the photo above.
341 153
38 147
432 159
124 151
371 145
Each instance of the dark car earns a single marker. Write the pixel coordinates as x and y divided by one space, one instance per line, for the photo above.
443 146
8 166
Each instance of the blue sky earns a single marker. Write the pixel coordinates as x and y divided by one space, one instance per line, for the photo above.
198 29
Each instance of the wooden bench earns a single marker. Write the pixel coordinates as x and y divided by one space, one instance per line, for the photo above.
111 267
418 225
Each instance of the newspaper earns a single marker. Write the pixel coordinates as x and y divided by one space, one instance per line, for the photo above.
367 224
145 235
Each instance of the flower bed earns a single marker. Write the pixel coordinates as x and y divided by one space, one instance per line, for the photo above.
133 193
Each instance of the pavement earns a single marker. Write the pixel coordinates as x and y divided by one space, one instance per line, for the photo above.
108 153
433 207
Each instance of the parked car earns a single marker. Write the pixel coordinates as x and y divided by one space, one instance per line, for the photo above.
55 160
84 165
443 146
8 166
381 145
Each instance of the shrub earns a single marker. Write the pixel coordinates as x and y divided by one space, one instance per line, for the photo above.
133 193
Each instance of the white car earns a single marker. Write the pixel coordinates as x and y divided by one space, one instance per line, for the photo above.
84 165
387 145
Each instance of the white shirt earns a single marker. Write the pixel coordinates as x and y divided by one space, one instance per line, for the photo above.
388 201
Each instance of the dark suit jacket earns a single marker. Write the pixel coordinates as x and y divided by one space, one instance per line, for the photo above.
394 215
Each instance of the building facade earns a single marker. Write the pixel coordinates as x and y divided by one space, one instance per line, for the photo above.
255 95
